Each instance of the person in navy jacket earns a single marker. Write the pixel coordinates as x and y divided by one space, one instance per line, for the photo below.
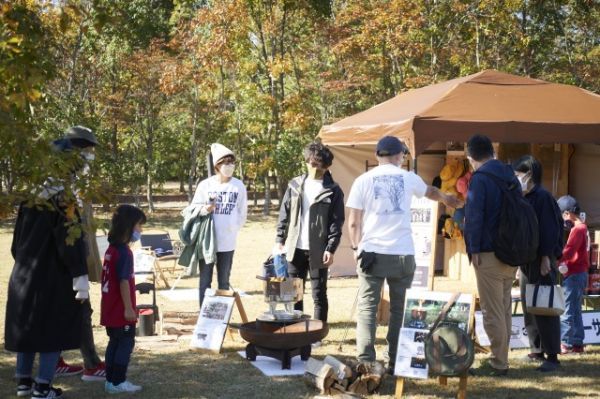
494 278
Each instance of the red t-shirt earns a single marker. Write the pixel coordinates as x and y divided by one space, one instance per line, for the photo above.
575 254
118 266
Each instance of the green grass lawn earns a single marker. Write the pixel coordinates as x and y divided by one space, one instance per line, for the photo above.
180 372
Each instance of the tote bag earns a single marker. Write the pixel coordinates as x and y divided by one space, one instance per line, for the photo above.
544 300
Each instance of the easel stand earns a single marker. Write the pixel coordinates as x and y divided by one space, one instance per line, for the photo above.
238 304
443 380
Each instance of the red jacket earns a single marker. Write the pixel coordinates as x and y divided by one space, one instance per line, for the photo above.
576 252
118 266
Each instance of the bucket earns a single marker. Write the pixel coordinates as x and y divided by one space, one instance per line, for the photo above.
145 323
593 287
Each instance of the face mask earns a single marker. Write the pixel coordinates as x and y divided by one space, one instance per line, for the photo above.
315 173
135 236
227 170
524 180
88 156
569 224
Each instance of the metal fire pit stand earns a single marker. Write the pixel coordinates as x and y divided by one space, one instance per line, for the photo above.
284 355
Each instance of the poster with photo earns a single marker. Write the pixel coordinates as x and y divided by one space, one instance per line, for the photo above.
424 227
421 309
212 322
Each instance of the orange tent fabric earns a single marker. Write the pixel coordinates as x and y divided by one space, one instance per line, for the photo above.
506 108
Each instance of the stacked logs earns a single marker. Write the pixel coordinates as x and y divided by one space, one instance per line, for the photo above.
332 377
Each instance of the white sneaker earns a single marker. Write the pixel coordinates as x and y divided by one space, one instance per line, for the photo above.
124 387
317 344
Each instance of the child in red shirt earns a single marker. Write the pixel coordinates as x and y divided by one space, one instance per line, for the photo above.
118 313
574 265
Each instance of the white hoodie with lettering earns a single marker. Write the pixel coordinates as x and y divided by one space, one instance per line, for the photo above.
231 208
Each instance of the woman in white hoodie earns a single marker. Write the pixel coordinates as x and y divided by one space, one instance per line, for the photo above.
225 197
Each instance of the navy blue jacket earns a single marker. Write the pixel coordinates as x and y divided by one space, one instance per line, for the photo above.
549 220
482 210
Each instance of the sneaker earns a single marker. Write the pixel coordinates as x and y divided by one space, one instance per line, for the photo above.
548 366
95 374
124 387
63 369
534 357
24 387
486 370
567 350
46 391
317 344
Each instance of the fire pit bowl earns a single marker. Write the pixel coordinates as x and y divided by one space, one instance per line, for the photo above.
284 336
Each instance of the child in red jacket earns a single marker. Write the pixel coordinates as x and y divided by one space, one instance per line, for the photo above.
574 265
118 312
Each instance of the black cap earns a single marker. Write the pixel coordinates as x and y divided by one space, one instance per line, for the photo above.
390 145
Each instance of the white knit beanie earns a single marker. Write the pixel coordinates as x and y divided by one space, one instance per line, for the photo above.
219 151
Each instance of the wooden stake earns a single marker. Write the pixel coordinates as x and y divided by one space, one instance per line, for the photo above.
462 387
399 387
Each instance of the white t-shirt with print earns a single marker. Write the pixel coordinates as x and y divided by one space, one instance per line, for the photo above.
231 208
384 195
312 188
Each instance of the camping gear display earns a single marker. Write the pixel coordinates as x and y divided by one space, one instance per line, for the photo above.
282 339
544 300
282 290
449 350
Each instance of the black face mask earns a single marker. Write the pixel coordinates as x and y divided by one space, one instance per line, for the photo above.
569 224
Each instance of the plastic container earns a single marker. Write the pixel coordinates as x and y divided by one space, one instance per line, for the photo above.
145 326
281 265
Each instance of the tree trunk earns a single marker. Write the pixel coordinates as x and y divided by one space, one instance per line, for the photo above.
149 192
267 204
193 154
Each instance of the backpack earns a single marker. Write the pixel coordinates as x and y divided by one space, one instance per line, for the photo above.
517 241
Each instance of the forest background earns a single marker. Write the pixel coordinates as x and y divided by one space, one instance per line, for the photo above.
159 80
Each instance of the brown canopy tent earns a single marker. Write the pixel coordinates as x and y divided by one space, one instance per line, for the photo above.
507 108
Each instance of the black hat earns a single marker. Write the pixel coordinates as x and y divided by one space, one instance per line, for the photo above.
390 145
81 136
568 203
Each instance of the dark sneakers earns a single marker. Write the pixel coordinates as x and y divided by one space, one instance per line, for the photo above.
488 371
549 366
45 391
24 387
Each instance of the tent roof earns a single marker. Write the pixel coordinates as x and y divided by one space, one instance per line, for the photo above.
506 108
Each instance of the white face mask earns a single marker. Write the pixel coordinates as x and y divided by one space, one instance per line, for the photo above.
524 180
88 156
227 170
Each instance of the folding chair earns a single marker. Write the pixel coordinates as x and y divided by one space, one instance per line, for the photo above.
161 246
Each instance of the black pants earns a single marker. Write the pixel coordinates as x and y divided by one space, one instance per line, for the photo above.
91 359
318 282
118 352
543 331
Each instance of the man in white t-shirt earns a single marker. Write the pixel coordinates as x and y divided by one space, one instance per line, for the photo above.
310 224
381 237
225 197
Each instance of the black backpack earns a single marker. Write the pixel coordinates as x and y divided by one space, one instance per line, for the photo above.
517 241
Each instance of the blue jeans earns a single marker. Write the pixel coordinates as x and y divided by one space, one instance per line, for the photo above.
224 261
118 352
571 321
46 369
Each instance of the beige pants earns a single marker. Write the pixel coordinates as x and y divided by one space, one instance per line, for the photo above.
494 282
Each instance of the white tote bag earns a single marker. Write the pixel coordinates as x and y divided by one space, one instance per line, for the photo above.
544 300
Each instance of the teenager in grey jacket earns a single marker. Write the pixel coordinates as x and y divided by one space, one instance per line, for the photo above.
310 224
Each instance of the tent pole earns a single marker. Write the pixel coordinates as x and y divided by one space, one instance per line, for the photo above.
415 165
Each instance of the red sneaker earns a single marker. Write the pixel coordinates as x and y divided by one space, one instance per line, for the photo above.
63 369
567 350
95 374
